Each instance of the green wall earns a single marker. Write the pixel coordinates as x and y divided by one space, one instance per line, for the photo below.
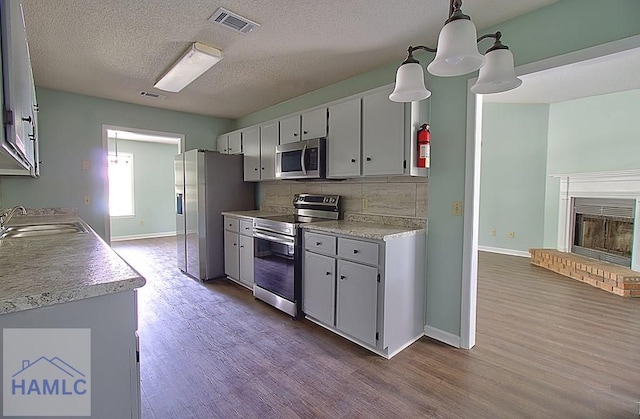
513 174
566 26
70 127
153 189
592 134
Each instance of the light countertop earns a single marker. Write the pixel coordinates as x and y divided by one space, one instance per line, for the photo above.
42 271
250 213
363 229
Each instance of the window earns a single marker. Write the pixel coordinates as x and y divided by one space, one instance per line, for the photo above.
120 184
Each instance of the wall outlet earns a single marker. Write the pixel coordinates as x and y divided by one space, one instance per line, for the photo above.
86 165
493 232
87 199
511 234
456 208
365 203
141 222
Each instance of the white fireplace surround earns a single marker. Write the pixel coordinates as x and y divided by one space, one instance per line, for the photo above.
622 184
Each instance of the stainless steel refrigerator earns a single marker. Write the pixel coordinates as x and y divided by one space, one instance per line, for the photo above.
207 183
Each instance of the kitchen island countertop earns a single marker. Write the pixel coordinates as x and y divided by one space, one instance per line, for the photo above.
363 230
42 271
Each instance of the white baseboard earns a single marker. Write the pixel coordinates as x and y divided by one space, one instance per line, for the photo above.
442 336
502 251
143 236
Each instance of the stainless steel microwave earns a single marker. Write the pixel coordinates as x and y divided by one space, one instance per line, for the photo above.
306 159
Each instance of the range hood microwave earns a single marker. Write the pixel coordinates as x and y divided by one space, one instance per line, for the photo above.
306 159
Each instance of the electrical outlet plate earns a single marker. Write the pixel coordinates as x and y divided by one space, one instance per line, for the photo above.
493 232
365 203
511 234
456 208
87 200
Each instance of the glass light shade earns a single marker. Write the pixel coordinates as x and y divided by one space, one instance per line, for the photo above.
497 75
409 84
457 50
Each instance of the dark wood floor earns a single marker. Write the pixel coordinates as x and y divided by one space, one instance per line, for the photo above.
547 347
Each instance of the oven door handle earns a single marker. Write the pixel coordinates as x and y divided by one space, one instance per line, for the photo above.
274 238
302 159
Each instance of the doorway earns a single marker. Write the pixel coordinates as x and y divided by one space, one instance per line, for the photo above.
473 227
140 182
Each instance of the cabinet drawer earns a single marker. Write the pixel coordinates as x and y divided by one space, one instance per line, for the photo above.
246 227
358 251
231 224
320 243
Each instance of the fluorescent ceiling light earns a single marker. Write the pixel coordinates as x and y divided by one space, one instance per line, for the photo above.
193 63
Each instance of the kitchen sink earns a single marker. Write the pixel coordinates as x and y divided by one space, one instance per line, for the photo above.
31 230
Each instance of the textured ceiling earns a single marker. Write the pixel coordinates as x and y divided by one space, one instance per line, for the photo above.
612 73
116 48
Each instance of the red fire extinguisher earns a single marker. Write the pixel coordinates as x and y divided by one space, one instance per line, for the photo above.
424 146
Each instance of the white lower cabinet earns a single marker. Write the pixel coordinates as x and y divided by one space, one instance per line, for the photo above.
231 254
357 301
246 261
319 292
352 290
238 250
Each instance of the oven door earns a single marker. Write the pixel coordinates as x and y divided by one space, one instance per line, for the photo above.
274 263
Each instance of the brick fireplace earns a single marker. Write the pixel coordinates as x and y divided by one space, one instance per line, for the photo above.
600 246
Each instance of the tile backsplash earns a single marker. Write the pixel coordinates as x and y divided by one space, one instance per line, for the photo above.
382 198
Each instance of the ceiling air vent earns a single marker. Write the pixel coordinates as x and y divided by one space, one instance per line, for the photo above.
232 21
152 95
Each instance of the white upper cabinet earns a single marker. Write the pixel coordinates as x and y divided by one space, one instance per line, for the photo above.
268 142
222 144
19 146
343 141
251 144
314 124
383 135
235 142
290 130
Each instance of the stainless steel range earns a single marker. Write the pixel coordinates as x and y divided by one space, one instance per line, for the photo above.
277 250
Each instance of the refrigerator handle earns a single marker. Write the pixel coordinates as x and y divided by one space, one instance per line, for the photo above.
179 204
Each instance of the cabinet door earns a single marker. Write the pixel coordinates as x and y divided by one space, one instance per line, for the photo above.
231 254
235 143
246 260
357 301
383 135
318 287
222 144
17 84
343 142
251 145
290 130
314 124
268 142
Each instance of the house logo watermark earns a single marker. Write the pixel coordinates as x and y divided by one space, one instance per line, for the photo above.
46 372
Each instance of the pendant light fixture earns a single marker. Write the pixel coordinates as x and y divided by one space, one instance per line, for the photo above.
457 54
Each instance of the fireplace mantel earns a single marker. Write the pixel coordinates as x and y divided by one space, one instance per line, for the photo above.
622 184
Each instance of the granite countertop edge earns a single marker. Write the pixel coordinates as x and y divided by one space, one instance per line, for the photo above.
364 230
43 272
250 214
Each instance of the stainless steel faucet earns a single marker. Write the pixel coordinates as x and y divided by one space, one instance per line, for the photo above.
8 214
